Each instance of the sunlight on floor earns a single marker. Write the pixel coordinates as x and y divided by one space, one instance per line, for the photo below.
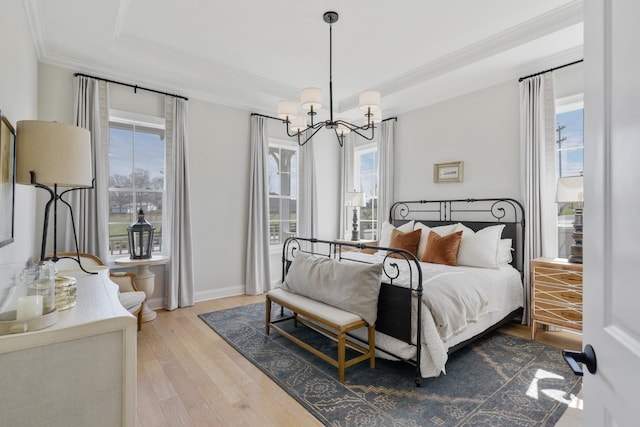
571 400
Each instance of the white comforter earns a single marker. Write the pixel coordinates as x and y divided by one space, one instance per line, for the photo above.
457 304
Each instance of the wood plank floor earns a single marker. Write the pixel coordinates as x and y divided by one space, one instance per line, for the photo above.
189 376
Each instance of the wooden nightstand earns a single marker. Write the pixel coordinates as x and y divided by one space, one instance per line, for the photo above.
556 294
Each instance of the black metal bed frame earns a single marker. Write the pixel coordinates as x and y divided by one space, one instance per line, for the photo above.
395 301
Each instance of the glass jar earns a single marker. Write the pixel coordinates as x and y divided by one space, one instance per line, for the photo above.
41 282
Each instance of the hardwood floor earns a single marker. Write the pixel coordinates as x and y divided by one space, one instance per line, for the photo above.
189 376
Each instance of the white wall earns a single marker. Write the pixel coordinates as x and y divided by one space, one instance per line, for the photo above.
18 101
481 129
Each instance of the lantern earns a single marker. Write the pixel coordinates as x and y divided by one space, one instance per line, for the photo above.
140 238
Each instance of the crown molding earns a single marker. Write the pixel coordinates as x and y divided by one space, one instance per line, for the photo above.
32 11
550 22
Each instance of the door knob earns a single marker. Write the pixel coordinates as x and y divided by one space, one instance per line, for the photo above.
588 357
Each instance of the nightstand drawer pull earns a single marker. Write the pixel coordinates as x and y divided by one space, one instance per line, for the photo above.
588 357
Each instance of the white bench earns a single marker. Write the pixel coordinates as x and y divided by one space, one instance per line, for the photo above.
326 319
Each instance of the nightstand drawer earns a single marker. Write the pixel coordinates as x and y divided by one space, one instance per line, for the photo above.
568 315
557 294
556 276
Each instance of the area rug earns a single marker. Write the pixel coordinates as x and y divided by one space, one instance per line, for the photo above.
500 380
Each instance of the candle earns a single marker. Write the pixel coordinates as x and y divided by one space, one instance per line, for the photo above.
29 307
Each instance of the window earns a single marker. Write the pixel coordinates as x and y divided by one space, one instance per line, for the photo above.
283 191
365 179
569 161
136 177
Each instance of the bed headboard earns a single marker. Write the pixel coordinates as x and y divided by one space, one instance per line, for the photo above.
474 213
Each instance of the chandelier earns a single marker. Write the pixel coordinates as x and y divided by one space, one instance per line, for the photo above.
311 101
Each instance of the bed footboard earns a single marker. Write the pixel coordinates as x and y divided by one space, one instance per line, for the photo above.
395 300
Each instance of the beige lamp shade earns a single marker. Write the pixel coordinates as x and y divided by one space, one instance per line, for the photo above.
311 97
287 110
369 99
58 154
354 199
570 189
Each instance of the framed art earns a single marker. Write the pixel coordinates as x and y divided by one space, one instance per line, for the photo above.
7 179
448 172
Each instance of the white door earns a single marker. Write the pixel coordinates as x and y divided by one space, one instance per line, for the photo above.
612 212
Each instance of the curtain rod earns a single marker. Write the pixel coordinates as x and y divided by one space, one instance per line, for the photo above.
551 69
283 121
135 87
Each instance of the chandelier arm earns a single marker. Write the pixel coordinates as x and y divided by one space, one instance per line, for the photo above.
310 136
354 127
340 138
369 138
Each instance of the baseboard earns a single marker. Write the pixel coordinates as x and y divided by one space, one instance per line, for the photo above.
156 303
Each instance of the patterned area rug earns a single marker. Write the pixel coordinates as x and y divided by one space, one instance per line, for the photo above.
500 380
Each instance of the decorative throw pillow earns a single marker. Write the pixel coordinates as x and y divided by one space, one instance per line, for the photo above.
353 287
504 252
442 249
480 248
442 230
407 241
385 232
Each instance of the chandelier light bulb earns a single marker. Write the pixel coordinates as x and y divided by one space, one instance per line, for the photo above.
287 110
299 124
369 99
311 97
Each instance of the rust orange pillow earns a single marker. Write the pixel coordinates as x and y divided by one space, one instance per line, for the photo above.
407 241
442 249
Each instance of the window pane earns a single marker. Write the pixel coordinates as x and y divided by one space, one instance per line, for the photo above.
120 155
136 162
149 153
274 233
570 162
121 207
274 208
273 171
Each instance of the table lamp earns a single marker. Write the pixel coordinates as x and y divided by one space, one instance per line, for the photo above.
50 155
355 200
570 190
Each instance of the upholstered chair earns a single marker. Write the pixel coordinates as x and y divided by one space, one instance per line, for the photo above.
130 297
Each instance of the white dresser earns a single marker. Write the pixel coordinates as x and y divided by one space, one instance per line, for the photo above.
80 371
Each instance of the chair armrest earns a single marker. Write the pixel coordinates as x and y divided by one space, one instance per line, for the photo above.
125 281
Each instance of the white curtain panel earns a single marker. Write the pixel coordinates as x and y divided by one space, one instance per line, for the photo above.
308 203
179 285
258 276
385 170
537 147
346 184
91 206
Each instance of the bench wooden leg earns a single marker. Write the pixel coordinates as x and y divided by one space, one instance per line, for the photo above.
268 316
372 346
342 340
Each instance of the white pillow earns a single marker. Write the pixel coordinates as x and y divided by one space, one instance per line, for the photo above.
442 230
385 232
504 252
480 249
352 287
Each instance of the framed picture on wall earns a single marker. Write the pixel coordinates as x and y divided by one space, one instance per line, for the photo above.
448 172
7 179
